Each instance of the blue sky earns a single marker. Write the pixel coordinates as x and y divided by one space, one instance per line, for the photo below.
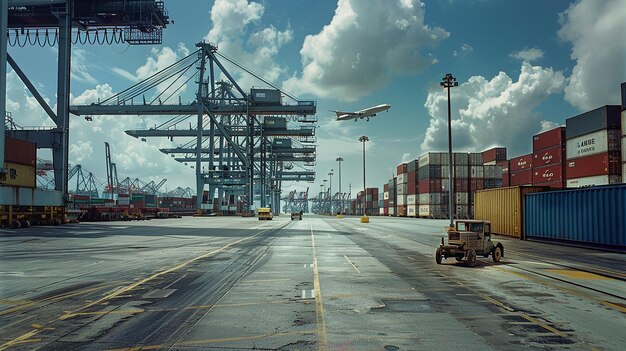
522 66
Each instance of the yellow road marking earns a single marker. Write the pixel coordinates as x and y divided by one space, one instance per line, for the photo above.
164 272
20 339
578 274
570 291
544 326
319 306
213 341
54 298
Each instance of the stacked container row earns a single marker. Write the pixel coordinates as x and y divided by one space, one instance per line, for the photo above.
549 158
20 158
593 149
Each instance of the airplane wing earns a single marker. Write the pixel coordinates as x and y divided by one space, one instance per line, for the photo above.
344 115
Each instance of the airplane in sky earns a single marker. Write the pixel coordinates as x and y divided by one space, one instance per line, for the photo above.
364 113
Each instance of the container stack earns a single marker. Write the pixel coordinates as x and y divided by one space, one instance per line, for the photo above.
392 196
371 201
623 131
492 156
20 158
412 191
386 199
506 176
461 185
593 148
403 188
521 170
549 158
432 175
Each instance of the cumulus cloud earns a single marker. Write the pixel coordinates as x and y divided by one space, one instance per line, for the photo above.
364 45
596 30
238 36
528 55
492 112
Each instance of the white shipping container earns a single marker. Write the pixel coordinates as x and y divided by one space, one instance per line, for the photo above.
386 195
403 189
591 181
401 200
444 172
477 172
592 144
411 200
412 211
430 198
403 178
624 149
381 211
624 123
424 211
462 198
461 172
623 171
392 211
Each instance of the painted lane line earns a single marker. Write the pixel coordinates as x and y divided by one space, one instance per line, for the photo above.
319 306
66 315
352 264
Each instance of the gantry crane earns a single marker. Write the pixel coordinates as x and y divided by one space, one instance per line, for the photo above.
241 142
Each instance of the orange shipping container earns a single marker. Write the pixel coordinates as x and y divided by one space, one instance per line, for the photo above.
504 208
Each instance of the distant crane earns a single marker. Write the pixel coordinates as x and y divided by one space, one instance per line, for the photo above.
84 185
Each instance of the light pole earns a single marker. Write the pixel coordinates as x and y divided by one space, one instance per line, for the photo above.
364 219
448 82
325 193
339 159
330 189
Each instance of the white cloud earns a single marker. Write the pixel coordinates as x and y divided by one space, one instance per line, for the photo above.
528 55
81 151
81 67
496 112
237 35
364 45
124 74
465 49
596 30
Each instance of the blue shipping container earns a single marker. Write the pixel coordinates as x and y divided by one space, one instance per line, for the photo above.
595 215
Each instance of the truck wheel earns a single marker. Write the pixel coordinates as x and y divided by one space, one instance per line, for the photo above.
497 254
438 255
471 258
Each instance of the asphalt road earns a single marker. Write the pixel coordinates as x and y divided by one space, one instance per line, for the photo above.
321 283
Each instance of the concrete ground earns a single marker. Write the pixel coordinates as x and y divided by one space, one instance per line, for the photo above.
229 283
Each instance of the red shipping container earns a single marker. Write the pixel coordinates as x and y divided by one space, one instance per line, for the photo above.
524 177
402 168
386 187
20 152
461 185
429 185
595 165
476 184
521 163
559 184
506 179
551 138
496 154
401 211
548 174
552 155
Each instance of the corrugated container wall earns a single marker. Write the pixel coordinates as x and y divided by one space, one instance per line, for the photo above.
20 152
605 117
19 175
594 216
550 138
504 208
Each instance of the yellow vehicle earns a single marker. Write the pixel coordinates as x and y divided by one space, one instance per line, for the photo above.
264 213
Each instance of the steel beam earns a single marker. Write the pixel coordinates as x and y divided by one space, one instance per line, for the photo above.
4 10
191 109
42 102
192 133
60 153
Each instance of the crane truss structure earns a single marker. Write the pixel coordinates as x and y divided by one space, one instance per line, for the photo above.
296 201
238 142
63 23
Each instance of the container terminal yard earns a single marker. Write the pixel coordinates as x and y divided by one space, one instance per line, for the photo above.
114 262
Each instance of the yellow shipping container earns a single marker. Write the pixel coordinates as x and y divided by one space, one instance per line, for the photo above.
504 208
19 176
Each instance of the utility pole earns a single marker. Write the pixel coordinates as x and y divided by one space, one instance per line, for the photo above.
330 189
339 159
448 82
364 219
